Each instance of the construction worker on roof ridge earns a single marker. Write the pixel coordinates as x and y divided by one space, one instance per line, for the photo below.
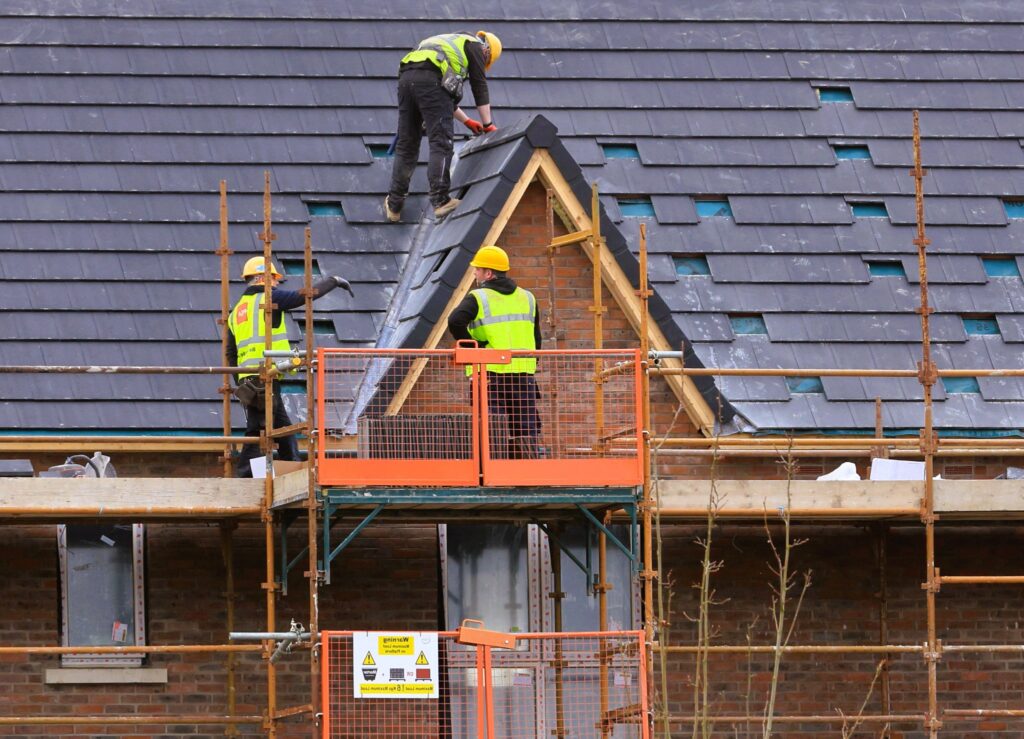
246 343
430 81
501 315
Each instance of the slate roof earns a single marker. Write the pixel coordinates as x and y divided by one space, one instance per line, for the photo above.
119 119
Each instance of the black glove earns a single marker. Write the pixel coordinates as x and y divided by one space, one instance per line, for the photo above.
343 284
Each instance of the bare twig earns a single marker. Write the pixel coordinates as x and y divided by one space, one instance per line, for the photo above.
848 730
785 581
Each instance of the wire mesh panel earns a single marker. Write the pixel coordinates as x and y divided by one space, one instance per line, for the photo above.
551 685
395 418
562 411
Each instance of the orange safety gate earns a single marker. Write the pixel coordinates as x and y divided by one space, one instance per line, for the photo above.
568 685
418 417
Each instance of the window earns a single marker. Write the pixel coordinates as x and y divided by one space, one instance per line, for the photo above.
804 385
744 324
713 207
502 575
844 151
325 208
835 94
1000 266
869 210
981 326
886 269
298 267
961 385
102 591
620 151
638 207
690 266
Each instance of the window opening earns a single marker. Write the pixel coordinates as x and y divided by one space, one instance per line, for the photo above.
380 151
636 207
690 266
961 385
324 208
844 151
869 210
620 151
102 591
323 327
886 269
1014 208
748 324
804 385
981 325
1000 266
298 267
713 207
835 94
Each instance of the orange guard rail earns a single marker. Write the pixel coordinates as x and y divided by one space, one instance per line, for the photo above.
420 417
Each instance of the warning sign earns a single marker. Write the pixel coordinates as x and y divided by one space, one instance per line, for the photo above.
396 665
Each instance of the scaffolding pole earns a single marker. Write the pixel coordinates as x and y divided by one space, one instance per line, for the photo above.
312 506
267 445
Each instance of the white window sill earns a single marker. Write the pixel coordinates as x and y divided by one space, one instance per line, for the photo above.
106 675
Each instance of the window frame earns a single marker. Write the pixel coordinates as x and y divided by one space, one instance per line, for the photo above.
86 659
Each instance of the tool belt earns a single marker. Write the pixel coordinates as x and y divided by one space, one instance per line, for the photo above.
251 392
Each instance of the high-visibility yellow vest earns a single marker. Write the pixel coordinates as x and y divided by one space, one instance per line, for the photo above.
506 322
446 50
247 326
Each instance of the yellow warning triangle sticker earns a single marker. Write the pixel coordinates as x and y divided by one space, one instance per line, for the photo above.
422 659
368 659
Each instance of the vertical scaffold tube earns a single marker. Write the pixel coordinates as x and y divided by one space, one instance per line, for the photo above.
312 506
268 452
927 377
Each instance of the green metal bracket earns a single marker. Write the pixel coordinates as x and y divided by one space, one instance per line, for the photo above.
586 568
287 519
329 511
628 551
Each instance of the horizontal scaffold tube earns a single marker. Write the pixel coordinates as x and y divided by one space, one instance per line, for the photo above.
790 649
835 719
115 369
152 649
823 372
159 719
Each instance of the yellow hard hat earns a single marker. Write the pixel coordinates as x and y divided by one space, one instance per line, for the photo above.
491 257
255 265
492 41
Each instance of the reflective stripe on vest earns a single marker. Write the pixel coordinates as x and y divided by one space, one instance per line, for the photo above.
506 322
246 324
444 50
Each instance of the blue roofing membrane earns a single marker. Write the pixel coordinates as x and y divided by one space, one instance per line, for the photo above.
120 119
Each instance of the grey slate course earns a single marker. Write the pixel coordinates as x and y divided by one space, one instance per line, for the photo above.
121 119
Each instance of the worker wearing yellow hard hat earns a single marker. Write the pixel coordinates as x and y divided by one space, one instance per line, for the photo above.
501 315
247 341
430 82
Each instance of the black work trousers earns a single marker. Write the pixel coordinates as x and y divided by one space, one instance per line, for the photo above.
287 446
423 105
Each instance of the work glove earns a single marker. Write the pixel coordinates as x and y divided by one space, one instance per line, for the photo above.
475 126
488 127
343 284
